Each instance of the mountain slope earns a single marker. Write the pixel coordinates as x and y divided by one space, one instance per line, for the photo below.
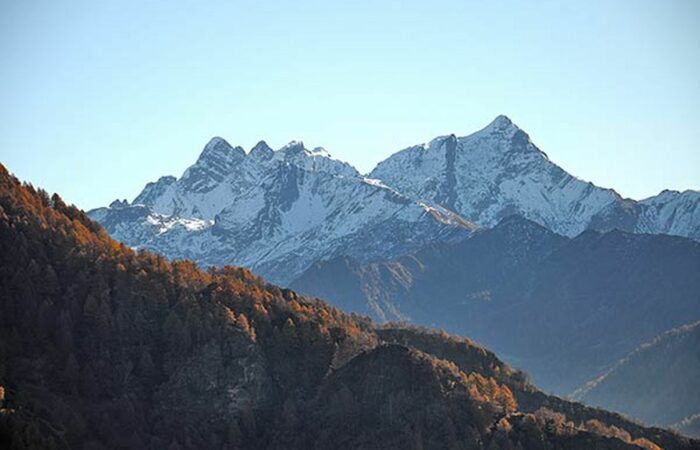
275 212
670 212
498 171
106 348
658 383
563 309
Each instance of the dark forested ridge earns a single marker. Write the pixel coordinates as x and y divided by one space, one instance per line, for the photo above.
563 309
102 347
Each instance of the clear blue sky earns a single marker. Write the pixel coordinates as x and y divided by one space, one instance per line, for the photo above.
97 99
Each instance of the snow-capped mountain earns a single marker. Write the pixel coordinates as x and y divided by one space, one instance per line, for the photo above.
494 173
276 212
670 212
498 171
223 174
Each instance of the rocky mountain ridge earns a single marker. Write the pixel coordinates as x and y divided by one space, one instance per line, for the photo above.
499 171
276 212
279 211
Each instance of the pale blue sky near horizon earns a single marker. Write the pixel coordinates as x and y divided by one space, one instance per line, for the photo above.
97 98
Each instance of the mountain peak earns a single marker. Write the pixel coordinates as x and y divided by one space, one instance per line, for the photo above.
502 119
216 161
297 147
261 151
217 143
320 151
502 124
316 160
261 145
218 148
118 204
293 147
503 130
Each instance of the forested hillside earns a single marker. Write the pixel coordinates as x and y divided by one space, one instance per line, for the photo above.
103 347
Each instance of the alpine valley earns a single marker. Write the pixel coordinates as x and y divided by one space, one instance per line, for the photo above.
481 235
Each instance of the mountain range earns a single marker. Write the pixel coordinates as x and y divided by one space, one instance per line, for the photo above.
104 347
278 212
482 235
499 171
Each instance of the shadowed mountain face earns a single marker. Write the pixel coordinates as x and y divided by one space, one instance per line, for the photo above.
658 383
565 310
106 348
